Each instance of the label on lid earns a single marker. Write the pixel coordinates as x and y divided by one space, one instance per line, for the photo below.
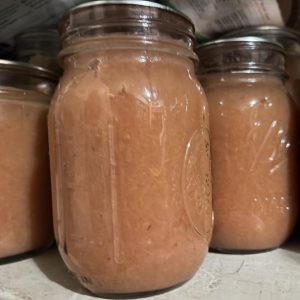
212 17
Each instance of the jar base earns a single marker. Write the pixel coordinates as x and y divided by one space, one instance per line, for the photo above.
25 255
240 251
136 295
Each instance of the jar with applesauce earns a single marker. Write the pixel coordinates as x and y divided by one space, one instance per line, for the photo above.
129 149
254 143
290 41
25 200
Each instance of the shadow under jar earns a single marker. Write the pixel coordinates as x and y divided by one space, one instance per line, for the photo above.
25 198
254 142
129 149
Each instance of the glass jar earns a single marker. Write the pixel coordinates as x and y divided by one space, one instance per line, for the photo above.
254 142
290 40
7 51
39 46
25 202
129 149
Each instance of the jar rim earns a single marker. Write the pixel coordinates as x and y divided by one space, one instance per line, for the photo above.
130 2
242 55
245 40
29 69
125 16
38 32
287 37
266 29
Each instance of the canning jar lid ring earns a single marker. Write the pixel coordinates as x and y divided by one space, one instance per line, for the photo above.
29 69
283 75
287 37
144 3
250 40
68 26
247 66
38 31
265 30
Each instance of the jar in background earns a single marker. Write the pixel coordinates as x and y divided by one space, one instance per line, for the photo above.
129 149
290 41
7 51
254 142
40 47
25 202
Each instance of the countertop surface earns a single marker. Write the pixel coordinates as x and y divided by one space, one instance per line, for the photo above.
272 275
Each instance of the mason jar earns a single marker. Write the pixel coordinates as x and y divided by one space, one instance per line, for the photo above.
290 41
254 143
129 148
25 199
39 46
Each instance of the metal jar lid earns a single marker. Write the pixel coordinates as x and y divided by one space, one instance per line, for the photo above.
144 17
288 38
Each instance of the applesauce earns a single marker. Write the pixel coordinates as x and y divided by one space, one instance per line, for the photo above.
254 143
25 203
129 151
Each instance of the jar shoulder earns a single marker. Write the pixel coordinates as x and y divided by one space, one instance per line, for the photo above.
243 93
158 82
